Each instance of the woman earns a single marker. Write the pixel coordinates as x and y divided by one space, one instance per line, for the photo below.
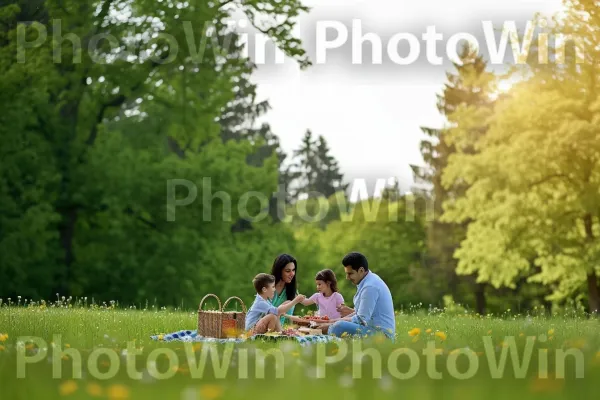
284 270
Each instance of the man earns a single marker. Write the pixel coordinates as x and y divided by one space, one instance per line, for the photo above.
374 309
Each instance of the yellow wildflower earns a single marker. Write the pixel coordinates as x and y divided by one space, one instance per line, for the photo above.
549 385
379 339
551 332
183 370
211 392
67 388
160 337
414 332
3 337
441 335
2 348
596 360
428 330
94 389
118 392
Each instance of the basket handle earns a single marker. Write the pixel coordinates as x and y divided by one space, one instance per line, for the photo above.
210 295
235 298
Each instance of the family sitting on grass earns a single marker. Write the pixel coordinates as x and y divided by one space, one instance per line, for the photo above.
277 297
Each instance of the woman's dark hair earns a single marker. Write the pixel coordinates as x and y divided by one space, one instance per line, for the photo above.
327 276
278 265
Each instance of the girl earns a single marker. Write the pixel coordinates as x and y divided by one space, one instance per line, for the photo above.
327 297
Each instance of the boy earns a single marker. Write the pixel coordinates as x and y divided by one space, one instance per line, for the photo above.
262 316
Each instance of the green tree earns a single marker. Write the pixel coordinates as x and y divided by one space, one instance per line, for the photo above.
392 242
534 184
306 167
87 210
470 87
329 178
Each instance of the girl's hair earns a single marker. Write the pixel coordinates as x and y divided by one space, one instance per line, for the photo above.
327 276
278 265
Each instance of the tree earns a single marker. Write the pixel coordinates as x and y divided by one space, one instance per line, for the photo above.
106 129
306 167
392 192
534 184
470 87
316 180
329 179
315 170
392 243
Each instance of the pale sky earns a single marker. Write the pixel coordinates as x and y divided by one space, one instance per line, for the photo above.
371 114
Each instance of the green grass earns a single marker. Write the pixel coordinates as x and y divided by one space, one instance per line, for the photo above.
87 329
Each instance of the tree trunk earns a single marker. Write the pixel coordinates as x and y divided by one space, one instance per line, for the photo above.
592 278
593 293
480 298
67 233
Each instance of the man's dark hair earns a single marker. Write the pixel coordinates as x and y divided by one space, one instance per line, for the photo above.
355 260
262 280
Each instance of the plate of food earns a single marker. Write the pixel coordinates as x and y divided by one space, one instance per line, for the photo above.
312 319
309 331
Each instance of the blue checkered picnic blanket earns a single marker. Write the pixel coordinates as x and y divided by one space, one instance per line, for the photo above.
192 336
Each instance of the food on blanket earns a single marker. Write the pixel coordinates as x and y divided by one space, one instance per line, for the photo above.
284 333
317 318
309 331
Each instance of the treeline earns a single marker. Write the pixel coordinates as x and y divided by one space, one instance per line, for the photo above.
90 139
516 175
508 216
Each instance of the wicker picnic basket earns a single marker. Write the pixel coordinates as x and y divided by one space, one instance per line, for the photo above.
234 322
220 324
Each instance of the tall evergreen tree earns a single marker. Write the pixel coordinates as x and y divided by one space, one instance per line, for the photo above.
329 178
316 171
239 123
306 166
392 192
469 86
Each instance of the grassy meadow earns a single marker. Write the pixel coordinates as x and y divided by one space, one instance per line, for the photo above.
462 360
